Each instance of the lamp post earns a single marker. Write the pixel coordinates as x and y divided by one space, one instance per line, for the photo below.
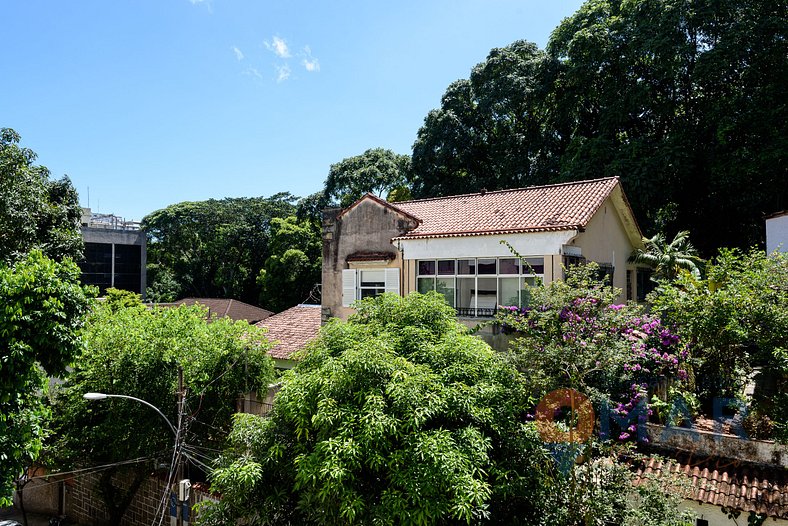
104 396
183 484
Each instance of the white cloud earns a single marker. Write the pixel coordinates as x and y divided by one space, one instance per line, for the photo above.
310 63
206 3
252 72
282 73
279 47
238 53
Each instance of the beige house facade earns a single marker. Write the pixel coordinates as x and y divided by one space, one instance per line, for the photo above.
460 245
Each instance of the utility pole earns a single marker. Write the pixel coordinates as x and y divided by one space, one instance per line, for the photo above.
182 485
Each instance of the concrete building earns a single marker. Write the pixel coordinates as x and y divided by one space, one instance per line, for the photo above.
115 253
458 245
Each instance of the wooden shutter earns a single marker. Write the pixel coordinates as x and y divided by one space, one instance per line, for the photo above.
348 287
392 280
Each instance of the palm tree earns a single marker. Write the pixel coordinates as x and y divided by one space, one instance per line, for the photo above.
668 259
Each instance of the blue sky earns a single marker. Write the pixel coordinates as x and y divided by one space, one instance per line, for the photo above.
152 102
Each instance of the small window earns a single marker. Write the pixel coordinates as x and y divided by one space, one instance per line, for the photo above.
446 267
533 266
701 522
372 283
466 267
425 285
487 266
509 266
426 268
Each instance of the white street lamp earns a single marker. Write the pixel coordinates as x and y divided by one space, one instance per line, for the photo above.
103 396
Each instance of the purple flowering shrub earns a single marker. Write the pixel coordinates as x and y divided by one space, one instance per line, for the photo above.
573 335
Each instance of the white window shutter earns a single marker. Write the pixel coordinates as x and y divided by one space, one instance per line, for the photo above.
348 287
392 280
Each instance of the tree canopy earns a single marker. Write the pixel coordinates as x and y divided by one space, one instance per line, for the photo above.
132 350
683 100
292 272
43 310
397 416
35 211
377 171
213 248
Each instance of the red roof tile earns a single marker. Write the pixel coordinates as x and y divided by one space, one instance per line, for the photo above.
535 209
233 309
723 482
292 329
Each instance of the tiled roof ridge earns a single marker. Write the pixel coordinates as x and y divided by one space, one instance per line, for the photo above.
475 194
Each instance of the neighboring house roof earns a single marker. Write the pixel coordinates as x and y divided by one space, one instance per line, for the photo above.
565 206
233 309
729 483
777 214
382 202
292 329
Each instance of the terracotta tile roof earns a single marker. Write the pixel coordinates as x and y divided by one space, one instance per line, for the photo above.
723 482
292 329
233 309
535 209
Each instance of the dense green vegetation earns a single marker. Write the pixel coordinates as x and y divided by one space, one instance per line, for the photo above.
132 350
42 306
400 416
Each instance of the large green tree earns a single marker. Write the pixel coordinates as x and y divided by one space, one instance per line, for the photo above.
377 171
686 102
135 351
292 272
213 248
397 417
488 131
35 211
43 309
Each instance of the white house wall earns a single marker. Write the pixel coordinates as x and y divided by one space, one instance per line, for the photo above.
529 244
777 234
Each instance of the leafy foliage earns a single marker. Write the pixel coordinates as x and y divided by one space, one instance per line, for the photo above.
135 351
397 416
43 309
734 319
35 212
573 335
487 132
293 269
213 248
378 171
668 259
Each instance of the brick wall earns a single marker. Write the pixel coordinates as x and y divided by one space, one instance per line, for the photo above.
86 508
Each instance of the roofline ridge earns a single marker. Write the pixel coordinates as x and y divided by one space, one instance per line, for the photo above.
535 187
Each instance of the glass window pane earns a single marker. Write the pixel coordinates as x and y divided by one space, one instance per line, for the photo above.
465 293
446 267
373 278
371 293
525 291
509 291
446 287
425 285
466 267
533 266
487 293
509 266
426 268
486 266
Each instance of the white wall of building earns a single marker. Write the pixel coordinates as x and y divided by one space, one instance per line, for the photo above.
528 244
777 234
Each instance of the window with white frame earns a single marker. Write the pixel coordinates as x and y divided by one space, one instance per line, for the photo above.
476 286
367 283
